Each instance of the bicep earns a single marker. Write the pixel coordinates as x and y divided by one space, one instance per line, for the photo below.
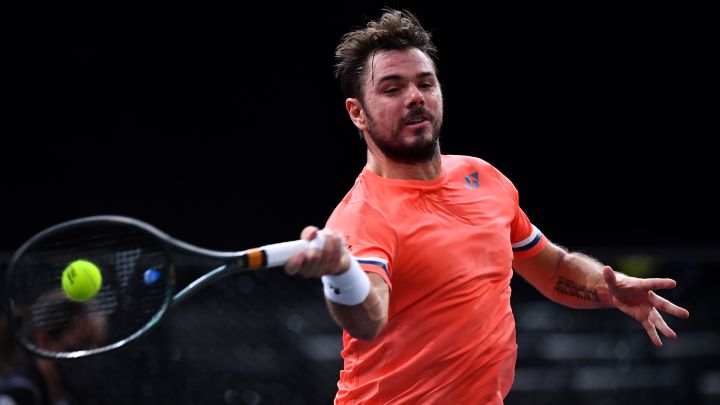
541 269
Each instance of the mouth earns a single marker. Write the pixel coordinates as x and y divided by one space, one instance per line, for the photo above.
417 120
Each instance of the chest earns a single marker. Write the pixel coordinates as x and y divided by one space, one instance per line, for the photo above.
449 238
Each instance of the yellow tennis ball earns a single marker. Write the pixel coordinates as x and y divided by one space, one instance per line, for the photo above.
81 280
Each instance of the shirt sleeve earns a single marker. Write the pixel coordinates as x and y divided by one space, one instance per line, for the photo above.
369 237
526 238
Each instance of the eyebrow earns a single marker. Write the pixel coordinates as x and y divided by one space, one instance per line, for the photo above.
421 75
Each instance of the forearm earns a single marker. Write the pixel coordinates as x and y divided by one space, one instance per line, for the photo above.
579 283
358 301
571 279
365 320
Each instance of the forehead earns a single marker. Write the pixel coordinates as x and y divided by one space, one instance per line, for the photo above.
403 63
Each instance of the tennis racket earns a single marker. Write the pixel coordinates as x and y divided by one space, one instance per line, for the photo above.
137 262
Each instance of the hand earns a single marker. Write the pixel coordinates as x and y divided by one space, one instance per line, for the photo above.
635 297
331 259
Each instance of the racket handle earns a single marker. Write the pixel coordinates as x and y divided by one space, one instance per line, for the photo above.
279 253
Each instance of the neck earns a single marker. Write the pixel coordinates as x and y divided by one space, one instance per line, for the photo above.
384 167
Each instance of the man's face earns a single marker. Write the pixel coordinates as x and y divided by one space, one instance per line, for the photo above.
86 331
403 106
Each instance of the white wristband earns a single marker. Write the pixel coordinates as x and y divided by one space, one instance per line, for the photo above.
349 288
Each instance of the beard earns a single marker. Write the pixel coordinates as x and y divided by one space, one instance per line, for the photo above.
421 151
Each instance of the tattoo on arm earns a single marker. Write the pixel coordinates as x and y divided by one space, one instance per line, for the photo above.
571 288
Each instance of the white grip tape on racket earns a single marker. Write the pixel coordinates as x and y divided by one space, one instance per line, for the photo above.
348 288
279 253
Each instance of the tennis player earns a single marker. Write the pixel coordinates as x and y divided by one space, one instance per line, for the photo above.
418 256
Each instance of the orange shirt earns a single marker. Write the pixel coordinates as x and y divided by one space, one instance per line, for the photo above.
445 248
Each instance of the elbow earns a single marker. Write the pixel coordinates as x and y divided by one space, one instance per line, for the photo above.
367 320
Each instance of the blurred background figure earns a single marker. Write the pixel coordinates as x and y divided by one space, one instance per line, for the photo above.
59 325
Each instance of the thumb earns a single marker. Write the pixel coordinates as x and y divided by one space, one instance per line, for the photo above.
309 233
609 276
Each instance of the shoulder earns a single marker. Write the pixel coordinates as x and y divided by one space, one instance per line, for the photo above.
363 201
454 163
355 212
361 215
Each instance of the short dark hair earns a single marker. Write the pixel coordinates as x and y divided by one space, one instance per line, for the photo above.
394 30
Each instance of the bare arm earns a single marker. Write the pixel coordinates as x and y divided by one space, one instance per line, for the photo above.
572 279
579 281
363 321
366 320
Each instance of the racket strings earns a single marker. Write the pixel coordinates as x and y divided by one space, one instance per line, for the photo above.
136 286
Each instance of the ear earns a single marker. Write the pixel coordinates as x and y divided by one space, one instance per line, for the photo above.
356 113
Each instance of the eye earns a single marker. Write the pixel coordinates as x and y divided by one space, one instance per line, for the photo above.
392 90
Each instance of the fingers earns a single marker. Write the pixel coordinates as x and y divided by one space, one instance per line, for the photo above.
644 283
663 327
654 323
635 297
656 283
652 332
667 306
293 265
332 250
318 261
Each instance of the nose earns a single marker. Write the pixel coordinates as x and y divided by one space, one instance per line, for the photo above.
415 97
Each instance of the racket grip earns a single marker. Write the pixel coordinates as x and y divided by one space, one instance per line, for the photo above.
278 254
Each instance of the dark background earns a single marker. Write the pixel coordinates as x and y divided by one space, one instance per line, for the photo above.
226 128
